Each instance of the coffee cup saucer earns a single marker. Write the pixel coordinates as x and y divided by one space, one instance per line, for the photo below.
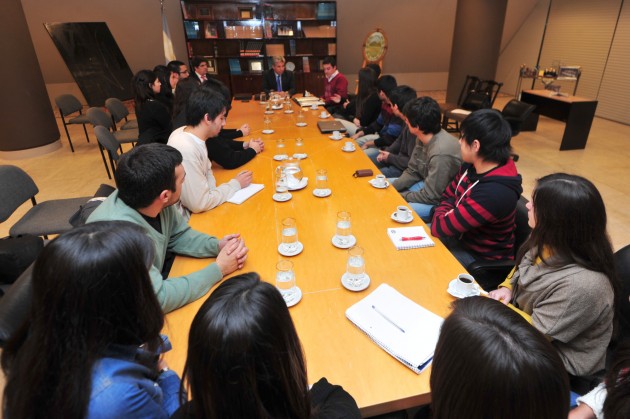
282 197
347 283
284 252
280 157
376 185
301 185
337 243
300 156
288 111
300 124
276 107
269 112
267 131
332 137
296 298
399 220
349 150
322 193
451 290
321 116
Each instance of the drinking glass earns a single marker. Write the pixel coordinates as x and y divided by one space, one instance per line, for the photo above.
280 145
289 235
263 97
281 181
321 179
298 144
285 279
287 106
344 227
267 123
356 266
301 119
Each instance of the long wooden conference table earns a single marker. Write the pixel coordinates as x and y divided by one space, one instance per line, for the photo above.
334 347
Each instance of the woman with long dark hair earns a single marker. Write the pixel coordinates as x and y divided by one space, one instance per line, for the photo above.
245 360
489 363
166 93
565 281
365 107
154 117
90 347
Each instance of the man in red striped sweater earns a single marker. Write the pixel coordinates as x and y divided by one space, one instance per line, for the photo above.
475 218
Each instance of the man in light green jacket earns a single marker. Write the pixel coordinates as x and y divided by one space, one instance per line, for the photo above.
149 180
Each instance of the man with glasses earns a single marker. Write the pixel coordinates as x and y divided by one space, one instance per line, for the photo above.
179 71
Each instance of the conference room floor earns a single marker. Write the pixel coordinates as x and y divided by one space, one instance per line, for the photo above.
63 174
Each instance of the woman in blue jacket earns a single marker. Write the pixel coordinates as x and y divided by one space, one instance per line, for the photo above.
92 343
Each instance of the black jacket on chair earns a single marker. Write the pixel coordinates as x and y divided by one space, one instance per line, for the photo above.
287 79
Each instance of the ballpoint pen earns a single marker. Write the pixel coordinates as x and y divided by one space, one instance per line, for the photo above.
390 321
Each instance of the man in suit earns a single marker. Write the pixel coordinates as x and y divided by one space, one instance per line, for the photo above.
279 79
200 64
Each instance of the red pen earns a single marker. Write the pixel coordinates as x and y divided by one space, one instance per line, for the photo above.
406 239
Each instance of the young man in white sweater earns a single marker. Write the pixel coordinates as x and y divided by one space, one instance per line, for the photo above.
205 116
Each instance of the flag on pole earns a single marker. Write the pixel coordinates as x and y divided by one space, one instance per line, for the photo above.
169 54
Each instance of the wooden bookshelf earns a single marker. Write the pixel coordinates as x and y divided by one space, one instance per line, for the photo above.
243 33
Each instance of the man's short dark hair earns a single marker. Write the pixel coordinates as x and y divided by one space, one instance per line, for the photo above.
174 66
201 102
493 133
197 60
144 172
424 113
386 83
218 86
401 95
330 60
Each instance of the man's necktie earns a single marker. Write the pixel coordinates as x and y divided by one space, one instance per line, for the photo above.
279 83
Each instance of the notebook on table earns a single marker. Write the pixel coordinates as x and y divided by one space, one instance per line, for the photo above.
244 194
327 127
409 237
403 328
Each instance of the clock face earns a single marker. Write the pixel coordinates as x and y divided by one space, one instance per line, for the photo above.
375 47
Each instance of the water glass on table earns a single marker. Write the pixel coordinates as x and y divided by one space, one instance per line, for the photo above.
285 280
289 235
356 266
344 227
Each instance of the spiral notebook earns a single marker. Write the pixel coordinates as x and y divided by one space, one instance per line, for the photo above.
404 329
409 237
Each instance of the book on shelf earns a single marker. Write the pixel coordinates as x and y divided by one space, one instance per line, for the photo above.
409 237
306 65
292 46
332 49
250 48
235 66
403 328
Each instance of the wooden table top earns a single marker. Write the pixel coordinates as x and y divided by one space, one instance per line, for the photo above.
551 95
334 347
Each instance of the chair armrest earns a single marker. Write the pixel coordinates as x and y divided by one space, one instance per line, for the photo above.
489 274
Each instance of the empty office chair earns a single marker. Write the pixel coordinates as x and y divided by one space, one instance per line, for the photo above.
489 274
69 104
119 111
107 141
481 97
48 217
98 116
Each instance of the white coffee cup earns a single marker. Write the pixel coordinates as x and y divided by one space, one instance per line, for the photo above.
336 134
314 106
348 145
324 114
380 180
403 213
465 284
